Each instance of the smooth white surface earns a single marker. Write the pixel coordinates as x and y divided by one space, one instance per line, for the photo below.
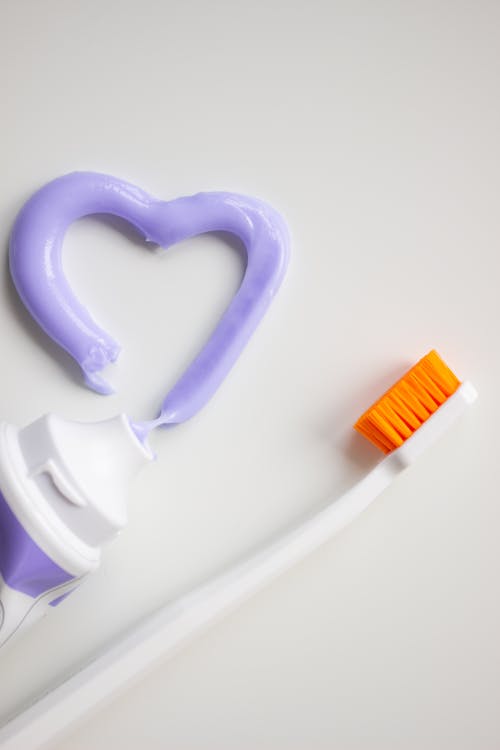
374 128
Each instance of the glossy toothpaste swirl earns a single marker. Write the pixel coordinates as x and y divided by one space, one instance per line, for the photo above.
37 270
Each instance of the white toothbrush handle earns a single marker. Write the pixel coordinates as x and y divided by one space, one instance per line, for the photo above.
163 633
231 588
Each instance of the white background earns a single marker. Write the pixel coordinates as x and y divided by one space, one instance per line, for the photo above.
374 127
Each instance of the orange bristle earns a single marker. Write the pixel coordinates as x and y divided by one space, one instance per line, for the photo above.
408 404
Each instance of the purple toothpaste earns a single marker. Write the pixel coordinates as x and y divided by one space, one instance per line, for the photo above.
63 484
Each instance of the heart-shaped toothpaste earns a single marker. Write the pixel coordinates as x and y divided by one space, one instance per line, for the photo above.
36 266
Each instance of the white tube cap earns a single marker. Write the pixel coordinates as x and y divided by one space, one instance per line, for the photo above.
83 471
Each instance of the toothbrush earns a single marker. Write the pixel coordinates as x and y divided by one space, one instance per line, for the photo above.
405 421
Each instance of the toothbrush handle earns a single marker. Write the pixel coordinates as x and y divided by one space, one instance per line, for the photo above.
167 630
225 592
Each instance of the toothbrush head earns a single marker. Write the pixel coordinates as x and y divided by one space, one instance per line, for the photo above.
398 414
